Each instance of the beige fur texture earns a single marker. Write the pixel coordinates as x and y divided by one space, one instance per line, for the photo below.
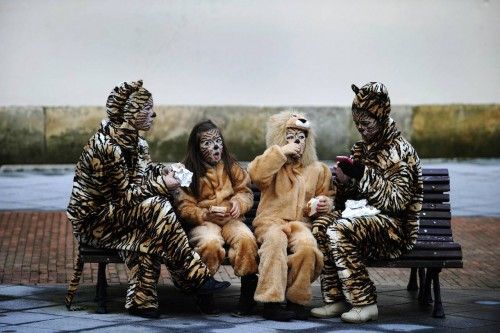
209 240
289 256
276 135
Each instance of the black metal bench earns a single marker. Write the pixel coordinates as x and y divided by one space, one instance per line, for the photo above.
435 248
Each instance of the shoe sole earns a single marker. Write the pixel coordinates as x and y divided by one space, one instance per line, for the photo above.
210 291
325 316
359 322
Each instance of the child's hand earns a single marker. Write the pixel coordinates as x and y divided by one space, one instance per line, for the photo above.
324 205
291 149
218 218
235 209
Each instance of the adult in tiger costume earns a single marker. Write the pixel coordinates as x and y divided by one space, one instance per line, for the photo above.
120 200
212 210
385 170
288 175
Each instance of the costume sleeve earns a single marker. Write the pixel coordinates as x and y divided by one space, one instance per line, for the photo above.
241 187
389 190
324 184
348 190
110 165
152 173
264 168
187 207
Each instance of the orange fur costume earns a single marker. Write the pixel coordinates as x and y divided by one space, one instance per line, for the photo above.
208 238
282 223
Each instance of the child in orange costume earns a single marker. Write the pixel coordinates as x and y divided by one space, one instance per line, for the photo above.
213 209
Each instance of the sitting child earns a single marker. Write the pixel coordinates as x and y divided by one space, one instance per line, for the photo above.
212 210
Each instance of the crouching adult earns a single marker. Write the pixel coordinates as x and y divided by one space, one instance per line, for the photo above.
288 176
385 170
121 200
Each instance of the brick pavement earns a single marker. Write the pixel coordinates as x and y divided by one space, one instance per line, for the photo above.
38 247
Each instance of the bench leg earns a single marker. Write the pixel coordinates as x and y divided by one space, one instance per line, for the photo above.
101 291
438 311
421 283
424 295
412 283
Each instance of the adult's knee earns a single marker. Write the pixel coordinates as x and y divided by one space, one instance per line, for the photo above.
340 230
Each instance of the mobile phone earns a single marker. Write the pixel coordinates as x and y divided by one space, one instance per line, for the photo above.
345 159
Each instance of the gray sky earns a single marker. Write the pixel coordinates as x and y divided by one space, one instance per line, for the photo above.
260 52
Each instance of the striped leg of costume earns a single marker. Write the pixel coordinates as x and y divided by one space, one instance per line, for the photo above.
152 233
143 271
350 242
331 288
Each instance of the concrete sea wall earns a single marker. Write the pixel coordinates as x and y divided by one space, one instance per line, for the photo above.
57 134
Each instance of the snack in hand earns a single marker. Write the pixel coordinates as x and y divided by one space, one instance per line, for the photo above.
217 209
312 206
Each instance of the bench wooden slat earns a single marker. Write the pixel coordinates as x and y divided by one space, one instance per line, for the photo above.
437 198
417 263
434 172
437 245
435 223
102 258
436 188
435 206
426 215
436 179
434 254
431 238
435 231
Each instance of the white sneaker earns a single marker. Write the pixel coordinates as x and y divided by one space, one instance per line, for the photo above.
330 310
361 314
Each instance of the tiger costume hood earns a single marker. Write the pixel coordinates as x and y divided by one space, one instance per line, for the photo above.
374 98
122 106
125 101
276 133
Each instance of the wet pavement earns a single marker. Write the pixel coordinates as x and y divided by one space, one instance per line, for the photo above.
39 309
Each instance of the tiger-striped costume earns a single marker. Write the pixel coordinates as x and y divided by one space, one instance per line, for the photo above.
391 182
120 201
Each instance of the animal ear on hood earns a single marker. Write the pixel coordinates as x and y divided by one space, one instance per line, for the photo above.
374 98
355 88
125 100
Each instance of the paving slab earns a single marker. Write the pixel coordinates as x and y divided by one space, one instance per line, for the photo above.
25 317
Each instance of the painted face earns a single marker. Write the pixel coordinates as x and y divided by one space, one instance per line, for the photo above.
296 136
366 124
144 119
211 146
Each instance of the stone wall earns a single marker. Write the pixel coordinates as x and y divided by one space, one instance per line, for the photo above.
57 134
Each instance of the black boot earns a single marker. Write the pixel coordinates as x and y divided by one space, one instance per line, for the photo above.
246 302
206 304
274 311
152 313
211 285
300 311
